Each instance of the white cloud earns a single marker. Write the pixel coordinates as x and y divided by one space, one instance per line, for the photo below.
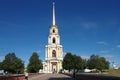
102 43
38 51
104 51
118 46
64 53
109 56
2 58
85 57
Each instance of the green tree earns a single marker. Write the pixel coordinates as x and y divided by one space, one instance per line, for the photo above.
1 68
96 62
83 64
77 60
13 64
18 65
92 62
71 62
34 63
67 61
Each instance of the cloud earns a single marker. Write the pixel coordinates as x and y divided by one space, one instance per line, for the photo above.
85 57
104 51
2 58
38 51
88 25
118 46
109 56
102 43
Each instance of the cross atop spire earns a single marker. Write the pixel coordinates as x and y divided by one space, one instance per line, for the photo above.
53 23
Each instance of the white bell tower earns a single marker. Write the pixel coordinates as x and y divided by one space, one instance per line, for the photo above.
54 51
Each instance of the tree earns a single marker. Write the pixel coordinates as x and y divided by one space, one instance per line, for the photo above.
84 64
96 62
105 63
77 62
1 68
92 62
67 61
34 63
13 64
73 62
18 65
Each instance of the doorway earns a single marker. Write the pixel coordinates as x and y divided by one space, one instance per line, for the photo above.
54 67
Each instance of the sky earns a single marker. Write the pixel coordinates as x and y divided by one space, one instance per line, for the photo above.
86 27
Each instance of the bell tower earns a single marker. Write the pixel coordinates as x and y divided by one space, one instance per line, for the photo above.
54 51
53 37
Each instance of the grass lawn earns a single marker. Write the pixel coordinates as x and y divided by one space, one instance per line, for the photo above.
113 72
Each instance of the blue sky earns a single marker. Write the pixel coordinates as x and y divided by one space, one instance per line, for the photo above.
86 27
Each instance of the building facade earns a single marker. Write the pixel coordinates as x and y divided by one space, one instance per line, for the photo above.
54 51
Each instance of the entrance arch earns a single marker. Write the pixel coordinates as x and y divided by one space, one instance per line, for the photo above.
54 67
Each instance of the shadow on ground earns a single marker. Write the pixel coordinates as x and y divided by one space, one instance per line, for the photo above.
93 77
59 78
96 78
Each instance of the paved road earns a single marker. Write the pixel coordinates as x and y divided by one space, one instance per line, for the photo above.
51 77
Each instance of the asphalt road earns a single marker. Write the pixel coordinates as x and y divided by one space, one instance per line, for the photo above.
51 77
78 77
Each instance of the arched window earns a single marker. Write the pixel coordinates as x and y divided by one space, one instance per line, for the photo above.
53 30
54 40
53 53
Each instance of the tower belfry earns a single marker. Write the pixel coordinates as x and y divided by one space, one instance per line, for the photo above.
54 51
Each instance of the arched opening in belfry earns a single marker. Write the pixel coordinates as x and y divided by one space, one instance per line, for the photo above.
54 41
53 53
53 30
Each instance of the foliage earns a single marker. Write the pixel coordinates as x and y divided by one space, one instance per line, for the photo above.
1 66
13 64
96 62
67 61
83 64
34 63
73 62
77 62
